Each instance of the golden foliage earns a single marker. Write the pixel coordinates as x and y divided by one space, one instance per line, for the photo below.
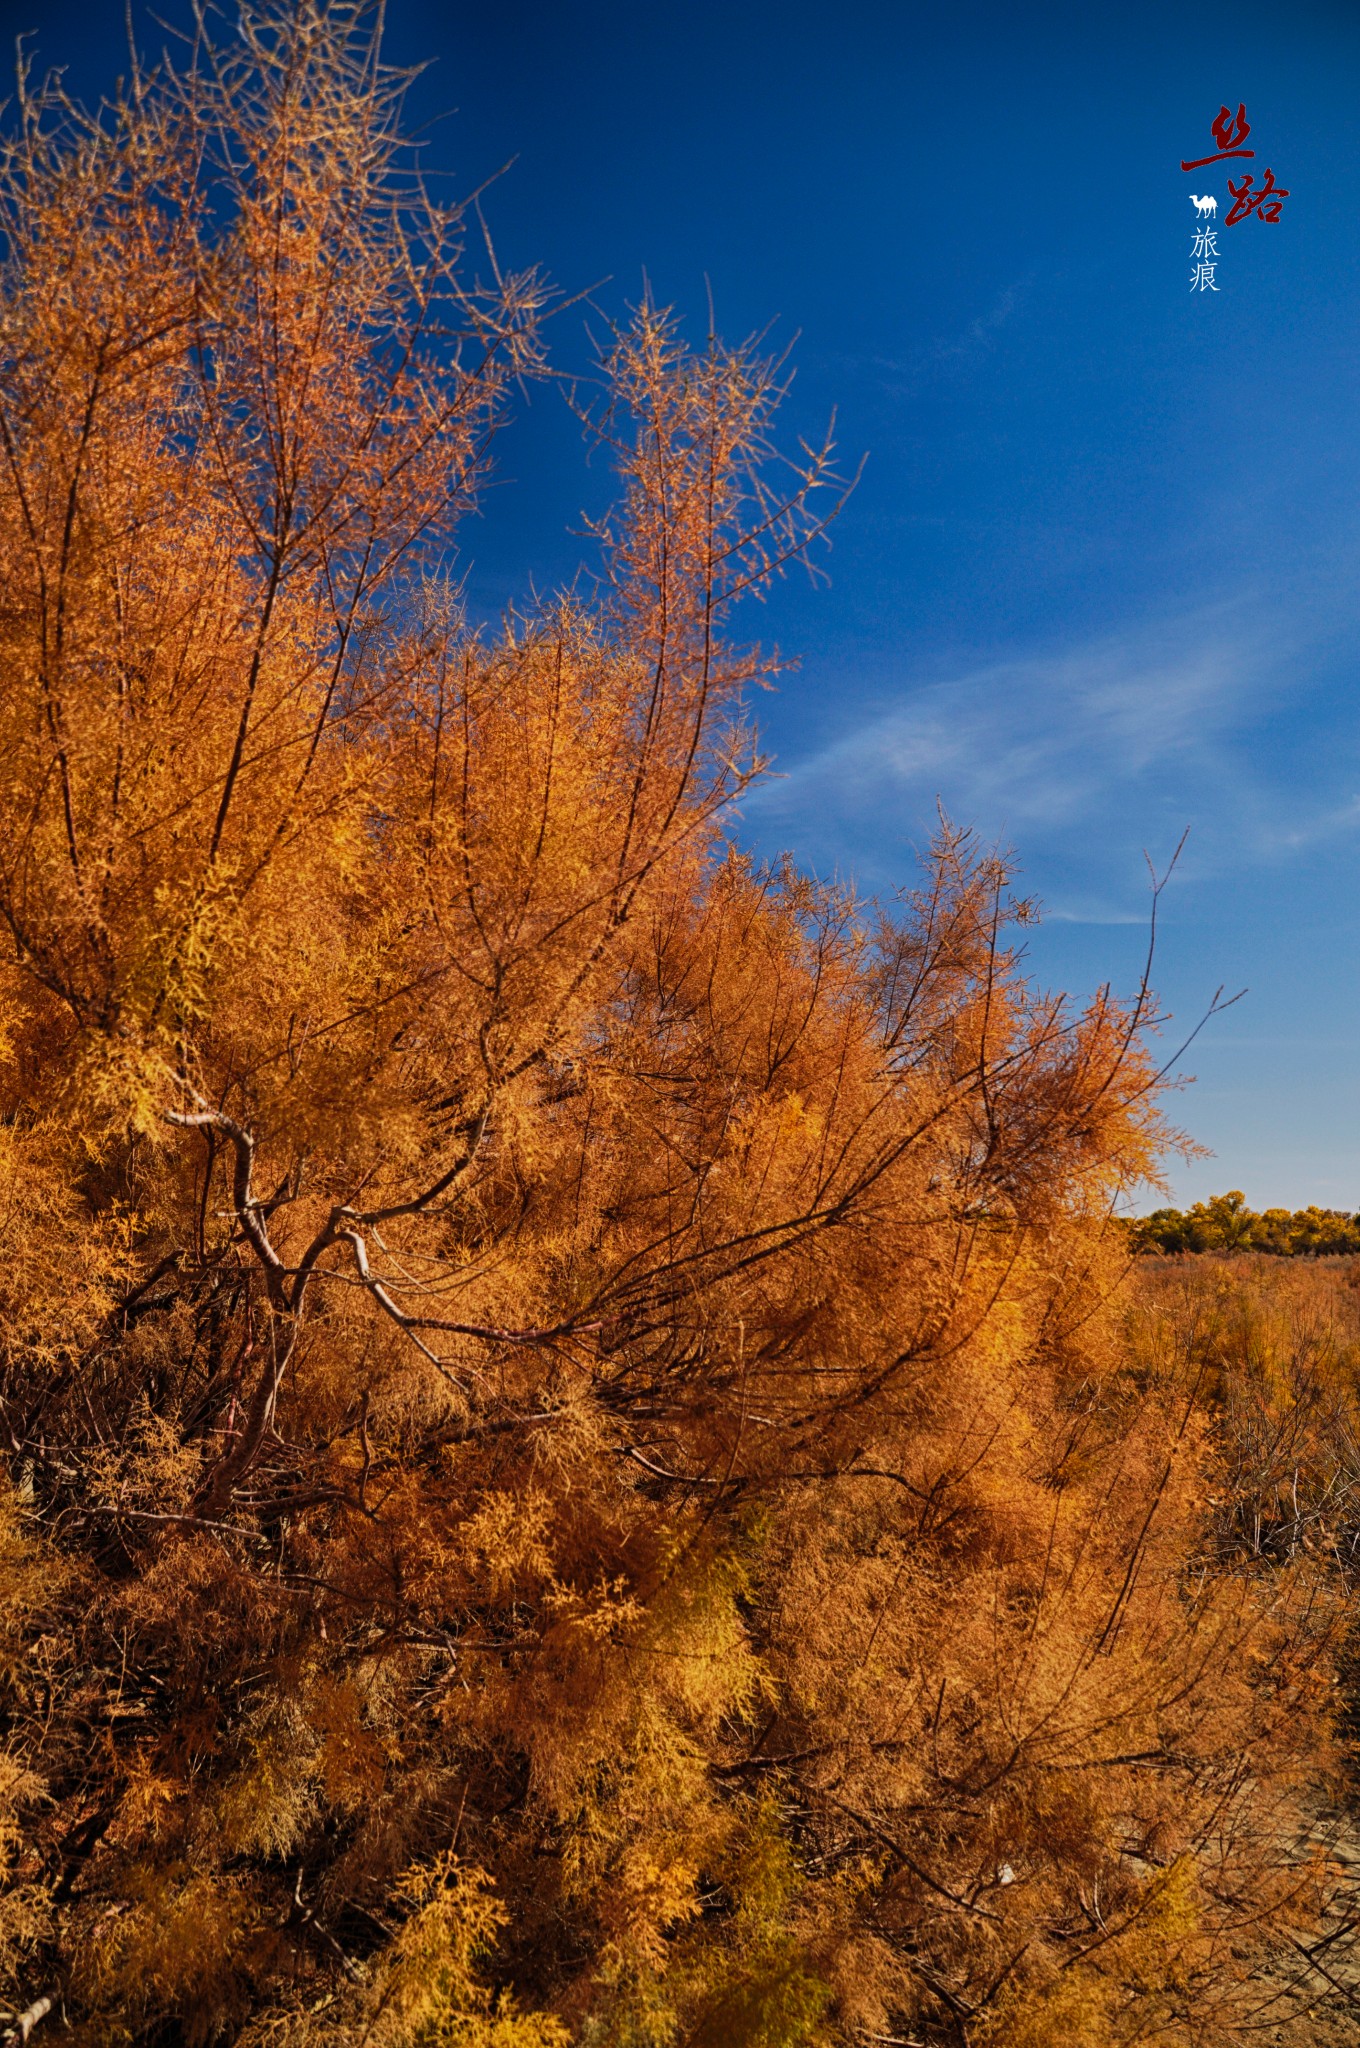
578 1474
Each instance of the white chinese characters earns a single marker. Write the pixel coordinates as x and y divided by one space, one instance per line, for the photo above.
1204 255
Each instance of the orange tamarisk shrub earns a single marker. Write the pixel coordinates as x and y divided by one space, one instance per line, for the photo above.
572 1474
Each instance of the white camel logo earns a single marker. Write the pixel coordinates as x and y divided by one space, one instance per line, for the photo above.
1208 204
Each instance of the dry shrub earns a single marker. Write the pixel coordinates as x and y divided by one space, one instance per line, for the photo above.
566 1385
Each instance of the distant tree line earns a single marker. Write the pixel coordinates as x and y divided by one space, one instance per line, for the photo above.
1225 1224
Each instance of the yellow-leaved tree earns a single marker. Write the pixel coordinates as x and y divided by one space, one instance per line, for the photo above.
571 1471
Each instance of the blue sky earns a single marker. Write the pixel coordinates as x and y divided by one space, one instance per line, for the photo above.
1098 584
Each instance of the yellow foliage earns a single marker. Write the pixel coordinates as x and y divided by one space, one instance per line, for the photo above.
430 1992
580 1468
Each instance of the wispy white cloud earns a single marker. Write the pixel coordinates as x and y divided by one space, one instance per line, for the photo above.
1299 832
958 352
1087 753
978 337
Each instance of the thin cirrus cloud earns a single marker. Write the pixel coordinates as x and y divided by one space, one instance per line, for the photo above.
1082 758
959 353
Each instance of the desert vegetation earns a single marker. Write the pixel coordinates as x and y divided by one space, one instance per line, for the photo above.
584 1465
1225 1224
